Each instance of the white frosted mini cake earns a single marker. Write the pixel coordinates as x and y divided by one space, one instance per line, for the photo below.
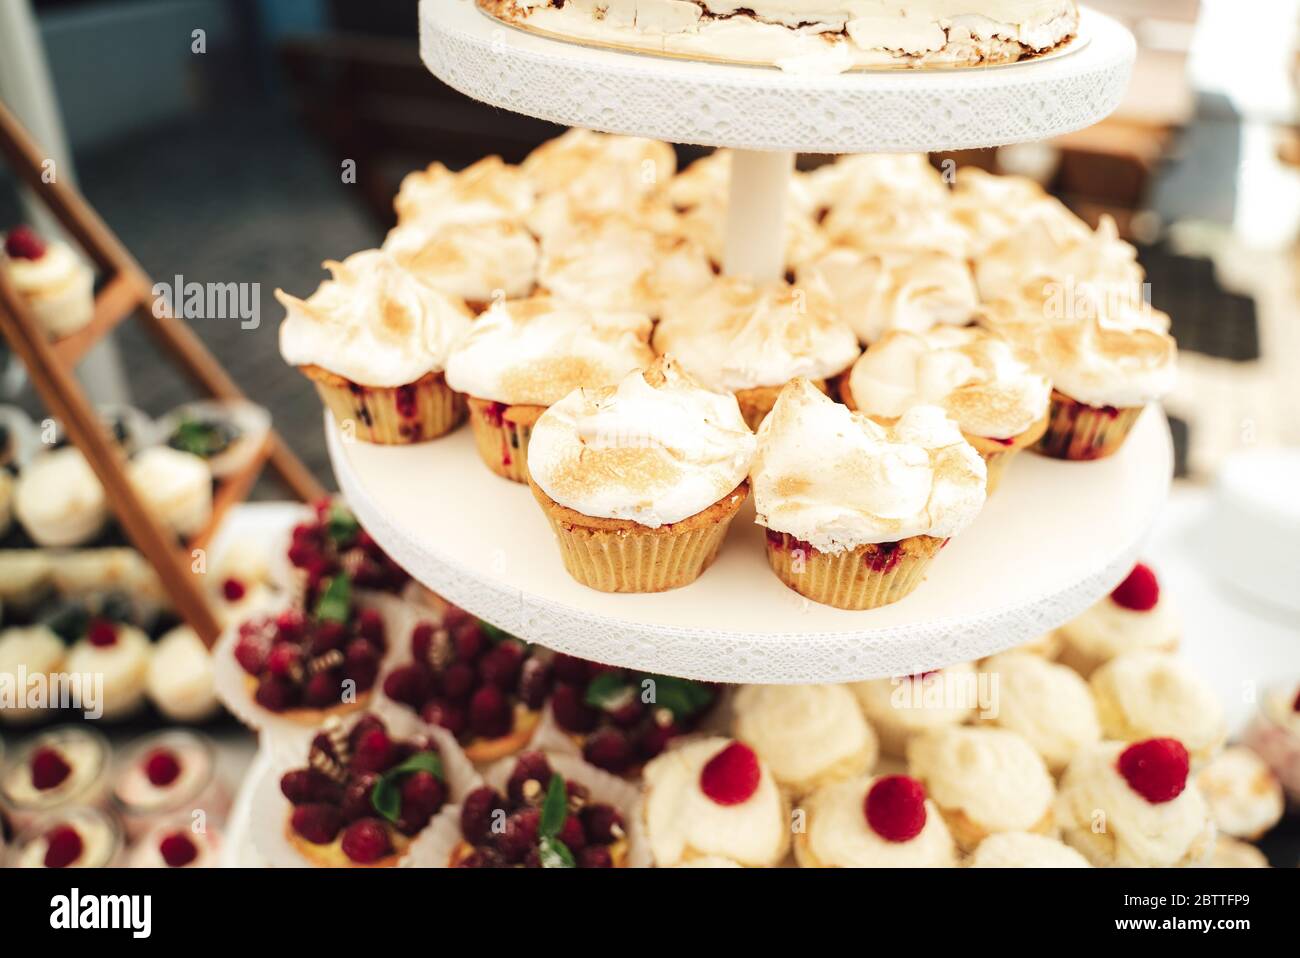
811 36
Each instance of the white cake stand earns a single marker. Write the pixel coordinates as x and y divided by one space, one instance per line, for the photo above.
1055 538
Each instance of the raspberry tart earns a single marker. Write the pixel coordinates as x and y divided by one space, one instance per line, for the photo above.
333 542
622 719
365 793
485 687
714 798
1132 806
881 822
1137 616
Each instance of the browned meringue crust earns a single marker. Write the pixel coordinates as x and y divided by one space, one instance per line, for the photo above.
756 403
480 180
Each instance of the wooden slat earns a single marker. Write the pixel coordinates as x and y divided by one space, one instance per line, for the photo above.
116 301
232 491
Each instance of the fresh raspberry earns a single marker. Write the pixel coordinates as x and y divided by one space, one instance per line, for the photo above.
276 694
571 669
1139 592
571 712
596 856
284 659
361 663
608 748
490 715
731 776
62 846
250 653
602 823
370 626
534 682
327 636
422 640
290 624
1156 769
363 725
895 808
366 841
446 714
422 794
318 823
101 633
572 834
458 681
500 666
529 766
178 850
162 767
482 858
356 802
374 752
1295 706
23 243
629 713
477 813
468 639
652 739
233 590
520 835
304 786
323 690
408 684
578 793
49 769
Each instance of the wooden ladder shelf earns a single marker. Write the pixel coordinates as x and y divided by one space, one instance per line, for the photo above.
125 291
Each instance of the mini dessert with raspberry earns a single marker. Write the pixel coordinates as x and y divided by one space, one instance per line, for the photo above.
483 686
714 797
305 666
809 735
174 843
363 795
180 682
640 481
27 652
622 719
1025 850
170 774
904 706
523 355
1274 733
119 653
884 821
58 500
983 780
60 768
333 542
1048 704
1244 795
1132 806
55 283
1142 695
540 819
1234 853
374 340
979 379
79 837
855 511
751 339
226 434
1137 616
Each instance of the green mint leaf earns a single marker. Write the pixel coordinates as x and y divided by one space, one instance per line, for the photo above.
493 633
682 697
335 603
555 808
554 853
341 525
609 690
386 796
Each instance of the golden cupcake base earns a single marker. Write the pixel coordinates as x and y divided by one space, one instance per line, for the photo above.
389 415
1078 431
756 403
501 435
868 577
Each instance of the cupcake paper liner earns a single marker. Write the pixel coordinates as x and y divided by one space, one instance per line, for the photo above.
1078 431
270 809
635 558
394 416
501 435
434 846
846 580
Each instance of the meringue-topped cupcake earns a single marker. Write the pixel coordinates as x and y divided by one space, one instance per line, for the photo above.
752 338
57 285
1131 806
1048 704
1143 695
374 340
1136 616
854 510
983 780
881 822
989 207
899 708
639 481
480 263
979 379
809 735
1025 850
1244 795
714 797
523 355
489 191
59 501
861 179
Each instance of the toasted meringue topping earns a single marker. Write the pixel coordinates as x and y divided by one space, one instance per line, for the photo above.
978 378
838 480
536 351
990 207
486 192
876 293
374 322
868 178
655 449
617 263
478 262
739 335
